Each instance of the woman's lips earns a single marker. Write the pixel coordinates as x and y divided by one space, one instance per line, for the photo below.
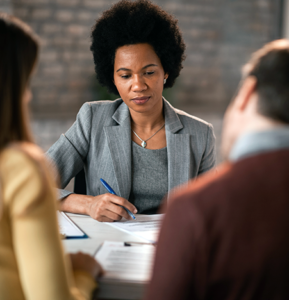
140 100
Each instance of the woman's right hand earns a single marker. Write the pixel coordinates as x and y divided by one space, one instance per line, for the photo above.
103 208
107 208
85 262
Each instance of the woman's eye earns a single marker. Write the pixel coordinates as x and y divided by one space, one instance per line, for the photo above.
124 76
150 73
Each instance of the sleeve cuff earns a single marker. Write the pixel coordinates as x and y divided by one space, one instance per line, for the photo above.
61 194
84 283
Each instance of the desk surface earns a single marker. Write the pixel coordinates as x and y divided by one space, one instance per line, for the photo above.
97 232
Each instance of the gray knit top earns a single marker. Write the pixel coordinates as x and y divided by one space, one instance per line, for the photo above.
149 178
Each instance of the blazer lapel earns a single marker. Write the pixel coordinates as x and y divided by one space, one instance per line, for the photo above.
119 143
178 147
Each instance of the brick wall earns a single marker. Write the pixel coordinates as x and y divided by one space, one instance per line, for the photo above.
5 6
220 35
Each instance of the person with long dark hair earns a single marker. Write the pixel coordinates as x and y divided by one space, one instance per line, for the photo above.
32 262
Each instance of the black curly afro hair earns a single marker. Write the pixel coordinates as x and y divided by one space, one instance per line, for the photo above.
128 23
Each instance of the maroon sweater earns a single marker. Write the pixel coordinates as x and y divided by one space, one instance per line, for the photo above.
226 236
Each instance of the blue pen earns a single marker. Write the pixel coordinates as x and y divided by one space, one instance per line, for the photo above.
110 190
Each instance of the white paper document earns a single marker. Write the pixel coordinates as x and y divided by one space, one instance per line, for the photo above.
144 226
67 228
126 263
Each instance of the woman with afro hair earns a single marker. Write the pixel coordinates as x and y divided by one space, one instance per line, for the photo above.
139 144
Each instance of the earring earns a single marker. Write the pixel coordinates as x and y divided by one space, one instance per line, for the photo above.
165 80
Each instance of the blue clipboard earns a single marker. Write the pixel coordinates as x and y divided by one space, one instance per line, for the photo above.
68 229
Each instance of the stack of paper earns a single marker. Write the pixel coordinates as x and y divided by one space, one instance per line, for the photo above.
127 270
146 227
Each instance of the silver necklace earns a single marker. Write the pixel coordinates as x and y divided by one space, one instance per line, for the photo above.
143 142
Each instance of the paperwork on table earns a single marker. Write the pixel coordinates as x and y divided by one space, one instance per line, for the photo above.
145 226
67 227
127 269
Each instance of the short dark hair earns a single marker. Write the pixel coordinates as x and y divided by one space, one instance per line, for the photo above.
18 54
128 23
270 66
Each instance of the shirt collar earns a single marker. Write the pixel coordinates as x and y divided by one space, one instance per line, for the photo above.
254 143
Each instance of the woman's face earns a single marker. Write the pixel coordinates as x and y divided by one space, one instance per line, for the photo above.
139 77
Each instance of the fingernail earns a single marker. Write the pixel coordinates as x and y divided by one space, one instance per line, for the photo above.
135 211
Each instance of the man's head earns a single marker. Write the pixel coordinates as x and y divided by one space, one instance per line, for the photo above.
262 101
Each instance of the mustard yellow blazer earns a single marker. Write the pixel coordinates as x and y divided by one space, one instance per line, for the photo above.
32 261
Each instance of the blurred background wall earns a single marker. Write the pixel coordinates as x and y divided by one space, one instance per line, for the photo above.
220 36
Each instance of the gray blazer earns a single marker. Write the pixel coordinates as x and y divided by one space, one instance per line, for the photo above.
100 142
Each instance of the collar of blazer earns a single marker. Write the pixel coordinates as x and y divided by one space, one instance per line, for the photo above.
173 122
119 143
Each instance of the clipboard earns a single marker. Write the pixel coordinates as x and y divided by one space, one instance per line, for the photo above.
68 229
